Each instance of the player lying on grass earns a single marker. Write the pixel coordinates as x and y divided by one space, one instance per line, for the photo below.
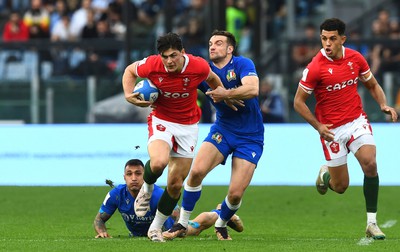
123 196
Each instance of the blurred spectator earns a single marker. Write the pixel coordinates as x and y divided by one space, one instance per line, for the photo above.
114 17
92 65
126 9
79 18
73 5
100 7
271 103
89 31
276 18
190 25
15 29
60 8
37 19
236 18
306 8
147 16
354 42
385 58
62 29
381 25
306 48
18 5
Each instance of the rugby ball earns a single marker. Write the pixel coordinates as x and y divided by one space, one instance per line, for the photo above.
147 90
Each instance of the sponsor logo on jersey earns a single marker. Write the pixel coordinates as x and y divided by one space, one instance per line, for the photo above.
231 75
339 86
217 137
330 70
253 154
160 79
335 147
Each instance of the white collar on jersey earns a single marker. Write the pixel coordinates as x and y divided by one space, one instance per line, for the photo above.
186 63
329 58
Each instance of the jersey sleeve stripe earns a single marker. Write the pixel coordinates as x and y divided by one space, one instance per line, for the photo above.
306 89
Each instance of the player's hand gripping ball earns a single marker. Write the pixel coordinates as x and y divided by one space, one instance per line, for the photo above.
147 90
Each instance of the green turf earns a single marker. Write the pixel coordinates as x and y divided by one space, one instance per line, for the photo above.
276 218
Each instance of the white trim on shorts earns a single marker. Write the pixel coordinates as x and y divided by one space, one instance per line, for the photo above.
183 136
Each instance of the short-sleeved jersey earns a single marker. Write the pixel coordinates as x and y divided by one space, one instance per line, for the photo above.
177 101
334 83
248 119
120 198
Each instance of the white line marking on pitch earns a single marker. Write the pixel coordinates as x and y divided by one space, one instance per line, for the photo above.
389 224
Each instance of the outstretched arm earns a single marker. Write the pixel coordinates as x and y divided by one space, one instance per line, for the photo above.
215 83
100 225
249 89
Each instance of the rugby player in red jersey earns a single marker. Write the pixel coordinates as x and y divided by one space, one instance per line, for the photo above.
333 75
173 123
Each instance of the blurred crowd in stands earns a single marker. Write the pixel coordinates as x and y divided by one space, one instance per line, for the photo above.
118 20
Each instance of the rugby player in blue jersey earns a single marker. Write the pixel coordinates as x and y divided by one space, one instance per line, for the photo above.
123 196
240 133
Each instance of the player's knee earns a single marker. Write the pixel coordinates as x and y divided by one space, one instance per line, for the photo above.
196 177
158 165
234 198
174 186
370 168
340 187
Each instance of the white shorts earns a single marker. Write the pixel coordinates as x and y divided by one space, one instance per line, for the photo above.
348 137
182 138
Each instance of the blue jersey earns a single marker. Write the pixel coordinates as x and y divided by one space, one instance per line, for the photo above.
248 119
120 198
240 133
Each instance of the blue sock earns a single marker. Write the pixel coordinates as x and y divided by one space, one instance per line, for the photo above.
228 210
190 196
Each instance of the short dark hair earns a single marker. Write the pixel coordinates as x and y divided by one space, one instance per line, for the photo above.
169 41
229 37
134 162
333 24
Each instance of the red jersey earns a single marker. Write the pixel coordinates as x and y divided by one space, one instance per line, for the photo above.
177 101
334 83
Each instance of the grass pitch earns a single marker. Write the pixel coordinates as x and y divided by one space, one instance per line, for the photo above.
276 218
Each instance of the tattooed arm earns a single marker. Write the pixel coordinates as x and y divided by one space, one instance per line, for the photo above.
100 225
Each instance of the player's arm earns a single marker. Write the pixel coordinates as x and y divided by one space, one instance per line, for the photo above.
301 107
216 84
100 225
249 89
377 93
129 79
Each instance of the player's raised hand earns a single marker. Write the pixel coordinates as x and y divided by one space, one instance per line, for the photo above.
135 100
390 111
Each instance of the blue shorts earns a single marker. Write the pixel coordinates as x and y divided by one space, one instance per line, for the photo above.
247 147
